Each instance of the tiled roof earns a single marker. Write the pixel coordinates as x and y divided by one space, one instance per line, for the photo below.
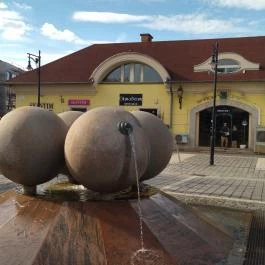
178 57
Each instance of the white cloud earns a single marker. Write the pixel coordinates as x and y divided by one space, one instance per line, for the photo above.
22 6
192 23
12 25
107 17
50 31
3 5
245 4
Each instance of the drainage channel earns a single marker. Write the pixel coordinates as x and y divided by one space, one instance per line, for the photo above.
255 254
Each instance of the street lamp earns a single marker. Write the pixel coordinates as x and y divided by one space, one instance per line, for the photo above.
180 95
213 129
36 59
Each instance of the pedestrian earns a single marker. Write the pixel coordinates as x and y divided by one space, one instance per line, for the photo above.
234 136
225 132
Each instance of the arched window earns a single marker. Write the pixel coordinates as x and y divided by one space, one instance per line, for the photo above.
133 73
228 66
114 76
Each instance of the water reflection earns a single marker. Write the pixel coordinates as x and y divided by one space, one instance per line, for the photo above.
66 191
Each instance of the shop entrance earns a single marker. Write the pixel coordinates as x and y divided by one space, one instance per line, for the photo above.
153 111
224 114
79 109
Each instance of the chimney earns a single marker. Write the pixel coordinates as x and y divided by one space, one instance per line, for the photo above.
146 37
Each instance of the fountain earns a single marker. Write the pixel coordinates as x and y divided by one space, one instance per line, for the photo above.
68 118
31 149
102 221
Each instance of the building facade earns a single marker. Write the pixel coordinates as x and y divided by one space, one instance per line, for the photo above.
7 97
171 79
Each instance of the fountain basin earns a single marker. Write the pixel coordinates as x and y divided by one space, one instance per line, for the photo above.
48 229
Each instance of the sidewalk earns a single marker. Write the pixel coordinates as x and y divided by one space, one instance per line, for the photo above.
234 181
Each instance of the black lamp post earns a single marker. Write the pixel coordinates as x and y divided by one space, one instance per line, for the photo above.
213 129
36 59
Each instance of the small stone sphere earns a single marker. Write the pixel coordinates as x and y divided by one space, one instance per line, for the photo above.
160 142
69 117
31 145
99 156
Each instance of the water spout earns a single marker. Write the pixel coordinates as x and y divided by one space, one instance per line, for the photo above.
125 127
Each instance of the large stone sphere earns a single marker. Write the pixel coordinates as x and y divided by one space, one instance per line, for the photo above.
99 156
31 145
69 117
160 142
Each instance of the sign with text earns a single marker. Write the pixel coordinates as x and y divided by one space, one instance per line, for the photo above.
79 102
131 99
223 110
43 105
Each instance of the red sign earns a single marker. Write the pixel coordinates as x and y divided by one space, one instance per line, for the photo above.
82 102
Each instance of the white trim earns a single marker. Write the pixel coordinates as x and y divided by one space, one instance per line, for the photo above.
121 58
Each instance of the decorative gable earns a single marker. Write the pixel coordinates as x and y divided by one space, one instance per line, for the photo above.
228 62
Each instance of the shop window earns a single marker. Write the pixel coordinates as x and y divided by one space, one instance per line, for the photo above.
79 109
133 73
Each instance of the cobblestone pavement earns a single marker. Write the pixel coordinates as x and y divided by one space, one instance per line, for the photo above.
234 181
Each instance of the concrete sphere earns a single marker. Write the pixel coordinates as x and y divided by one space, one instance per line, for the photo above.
69 117
99 156
31 145
160 142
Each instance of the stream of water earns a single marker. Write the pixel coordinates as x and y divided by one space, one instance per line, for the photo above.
138 190
142 256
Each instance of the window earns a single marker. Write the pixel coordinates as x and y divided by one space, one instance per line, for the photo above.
133 73
114 76
137 73
126 75
150 75
228 66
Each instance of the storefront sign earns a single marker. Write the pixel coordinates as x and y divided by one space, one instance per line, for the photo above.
79 102
43 105
131 99
223 110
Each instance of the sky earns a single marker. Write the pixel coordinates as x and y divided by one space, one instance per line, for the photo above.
60 27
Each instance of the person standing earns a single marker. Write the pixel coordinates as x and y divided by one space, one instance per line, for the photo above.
225 132
234 136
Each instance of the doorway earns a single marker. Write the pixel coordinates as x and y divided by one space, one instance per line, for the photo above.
152 111
79 109
224 114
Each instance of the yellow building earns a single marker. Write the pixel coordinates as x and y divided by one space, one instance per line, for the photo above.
171 79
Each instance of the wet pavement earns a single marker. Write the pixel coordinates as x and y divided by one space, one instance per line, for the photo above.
211 235
234 181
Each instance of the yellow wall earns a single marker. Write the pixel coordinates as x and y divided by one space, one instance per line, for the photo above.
154 96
